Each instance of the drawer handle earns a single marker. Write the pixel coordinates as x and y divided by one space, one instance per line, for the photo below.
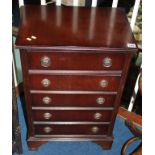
45 61
47 129
100 100
107 62
46 100
94 129
103 83
45 82
47 115
97 116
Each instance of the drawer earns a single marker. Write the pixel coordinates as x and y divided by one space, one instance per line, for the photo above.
70 129
78 82
73 100
72 115
75 60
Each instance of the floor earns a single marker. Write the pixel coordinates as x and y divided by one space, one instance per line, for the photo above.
121 134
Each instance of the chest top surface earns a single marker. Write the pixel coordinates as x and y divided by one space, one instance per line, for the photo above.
52 26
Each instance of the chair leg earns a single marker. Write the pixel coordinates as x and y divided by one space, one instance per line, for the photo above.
127 144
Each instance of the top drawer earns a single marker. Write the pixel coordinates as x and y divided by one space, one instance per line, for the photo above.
75 61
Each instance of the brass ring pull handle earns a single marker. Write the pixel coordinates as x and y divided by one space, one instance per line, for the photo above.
47 115
103 83
100 100
46 100
47 129
45 61
97 116
45 82
94 129
107 62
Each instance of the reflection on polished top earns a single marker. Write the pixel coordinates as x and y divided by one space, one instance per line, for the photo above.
59 26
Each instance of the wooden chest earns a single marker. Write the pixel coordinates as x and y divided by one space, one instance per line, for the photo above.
75 63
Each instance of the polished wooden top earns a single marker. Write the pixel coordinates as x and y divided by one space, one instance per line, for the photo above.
74 27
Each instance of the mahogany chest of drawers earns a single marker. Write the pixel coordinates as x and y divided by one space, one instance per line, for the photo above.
75 63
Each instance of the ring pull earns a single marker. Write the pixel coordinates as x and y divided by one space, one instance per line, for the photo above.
97 116
45 61
47 129
103 83
107 62
47 115
46 100
95 129
45 82
100 100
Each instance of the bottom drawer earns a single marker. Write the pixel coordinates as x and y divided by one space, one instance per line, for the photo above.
70 129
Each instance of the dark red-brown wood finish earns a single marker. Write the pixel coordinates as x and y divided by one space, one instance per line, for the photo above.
71 82
71 129
74 71
73 100
70 60
55 26
72 115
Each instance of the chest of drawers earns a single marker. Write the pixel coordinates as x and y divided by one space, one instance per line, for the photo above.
75 62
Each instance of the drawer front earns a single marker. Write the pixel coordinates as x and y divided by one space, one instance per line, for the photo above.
71 129
67 82
73 100
72 115
75 61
